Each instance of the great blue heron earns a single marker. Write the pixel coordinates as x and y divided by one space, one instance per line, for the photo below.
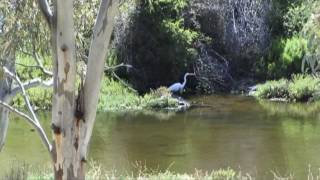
178 87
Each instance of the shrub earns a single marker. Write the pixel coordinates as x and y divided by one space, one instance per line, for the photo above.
154 38
300 88
159 99
303 87
293 52
311 32
273 89
288 47
284 58
296 16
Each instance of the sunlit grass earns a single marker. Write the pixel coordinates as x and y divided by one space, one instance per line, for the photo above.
116 97
142 172
299 88
96 172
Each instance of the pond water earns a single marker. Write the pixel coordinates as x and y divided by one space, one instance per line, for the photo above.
237 132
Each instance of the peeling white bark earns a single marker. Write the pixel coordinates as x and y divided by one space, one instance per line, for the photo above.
67 163
73 119
5 87
99 46
4 122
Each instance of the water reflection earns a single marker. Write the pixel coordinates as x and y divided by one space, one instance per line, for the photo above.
300 110
236 132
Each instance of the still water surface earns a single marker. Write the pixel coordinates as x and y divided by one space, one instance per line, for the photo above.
237 132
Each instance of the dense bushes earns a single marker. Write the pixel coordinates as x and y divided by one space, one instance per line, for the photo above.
296 17
153 37
298 45
299 88
284 58
160 38
290 45
311 32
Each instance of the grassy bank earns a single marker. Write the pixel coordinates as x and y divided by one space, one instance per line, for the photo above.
96 172
300 88
116 96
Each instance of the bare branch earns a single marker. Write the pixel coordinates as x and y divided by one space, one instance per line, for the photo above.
19 113
24 94
112 68
49 73
31 84
122 82
34 120
45 9
33 123
41 67
27 66
38 60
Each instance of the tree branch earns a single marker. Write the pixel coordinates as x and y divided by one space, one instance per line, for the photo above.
45 9
122 82
49 73
112 68
34 124
31 84
39 63
19 113
34 120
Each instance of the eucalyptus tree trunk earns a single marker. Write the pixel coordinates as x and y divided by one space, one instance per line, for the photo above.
73 116
5 89
65 154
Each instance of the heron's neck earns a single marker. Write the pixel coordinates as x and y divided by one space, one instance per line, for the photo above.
185 80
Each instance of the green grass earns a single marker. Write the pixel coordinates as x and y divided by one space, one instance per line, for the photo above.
141 172
300 88
115 96
303 87
96 172
273 89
